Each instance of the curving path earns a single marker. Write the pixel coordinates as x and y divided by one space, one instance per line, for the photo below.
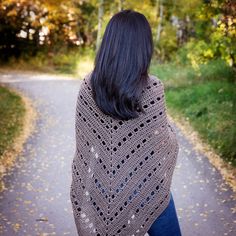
36 201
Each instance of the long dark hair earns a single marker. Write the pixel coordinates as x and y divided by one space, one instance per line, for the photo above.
121 65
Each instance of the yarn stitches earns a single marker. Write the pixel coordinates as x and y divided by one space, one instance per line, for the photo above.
121 170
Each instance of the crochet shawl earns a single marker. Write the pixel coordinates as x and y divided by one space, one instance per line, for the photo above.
121 170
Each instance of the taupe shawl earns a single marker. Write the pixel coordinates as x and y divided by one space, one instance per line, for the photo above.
122 170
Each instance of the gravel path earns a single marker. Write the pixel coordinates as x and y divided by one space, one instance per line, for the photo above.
36 201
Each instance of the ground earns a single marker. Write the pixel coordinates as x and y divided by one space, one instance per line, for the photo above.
36 200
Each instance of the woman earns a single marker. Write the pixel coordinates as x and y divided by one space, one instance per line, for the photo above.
126 150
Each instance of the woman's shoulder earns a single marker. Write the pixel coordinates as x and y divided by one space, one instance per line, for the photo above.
155 79
85 82
155 83
86 78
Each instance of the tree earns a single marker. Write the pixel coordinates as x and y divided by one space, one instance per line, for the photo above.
160 19
100 16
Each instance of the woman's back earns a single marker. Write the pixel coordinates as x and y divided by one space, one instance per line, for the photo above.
122 169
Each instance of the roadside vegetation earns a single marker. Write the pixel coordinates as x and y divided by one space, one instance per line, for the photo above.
12 111
12 114
207 101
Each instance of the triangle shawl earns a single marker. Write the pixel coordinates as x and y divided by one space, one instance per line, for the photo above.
121 170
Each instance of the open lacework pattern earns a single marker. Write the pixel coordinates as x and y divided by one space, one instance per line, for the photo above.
122 170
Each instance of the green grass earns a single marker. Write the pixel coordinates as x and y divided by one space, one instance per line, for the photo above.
12 111
208 103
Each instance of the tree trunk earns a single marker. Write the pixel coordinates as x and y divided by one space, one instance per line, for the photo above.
100 15
160 19
120 7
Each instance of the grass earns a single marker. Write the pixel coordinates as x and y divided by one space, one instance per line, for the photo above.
12 111
76 62
209 103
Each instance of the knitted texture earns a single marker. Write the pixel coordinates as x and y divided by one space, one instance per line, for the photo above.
121 170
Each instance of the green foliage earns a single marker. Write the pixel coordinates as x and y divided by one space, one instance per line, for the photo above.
12 111
200 51
215 34
208 102
209 108
167 44
217 70
173 74
66 61
178 74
